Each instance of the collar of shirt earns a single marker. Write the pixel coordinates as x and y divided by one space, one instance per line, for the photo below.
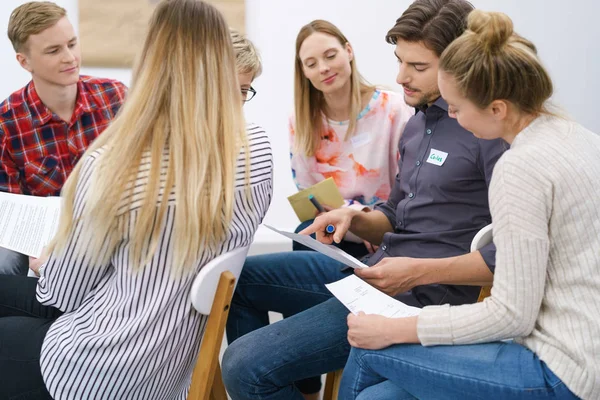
440 104
41 114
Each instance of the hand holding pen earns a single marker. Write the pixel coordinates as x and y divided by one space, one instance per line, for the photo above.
329 229
331 226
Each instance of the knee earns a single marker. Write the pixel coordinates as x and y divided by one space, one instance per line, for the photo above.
239 367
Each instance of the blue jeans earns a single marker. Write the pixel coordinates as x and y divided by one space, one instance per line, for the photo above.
499 370
281 360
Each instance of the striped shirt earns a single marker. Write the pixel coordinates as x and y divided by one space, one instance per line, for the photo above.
38 150
136 336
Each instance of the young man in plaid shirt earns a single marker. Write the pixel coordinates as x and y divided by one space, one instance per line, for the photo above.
46 126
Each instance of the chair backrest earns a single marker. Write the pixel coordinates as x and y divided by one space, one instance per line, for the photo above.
205 284
482 238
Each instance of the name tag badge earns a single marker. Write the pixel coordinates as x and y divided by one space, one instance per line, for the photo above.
437 157
360 140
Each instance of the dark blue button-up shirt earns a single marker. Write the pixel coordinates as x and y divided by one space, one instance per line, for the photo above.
440 199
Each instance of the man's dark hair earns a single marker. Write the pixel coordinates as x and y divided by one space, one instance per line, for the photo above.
436 23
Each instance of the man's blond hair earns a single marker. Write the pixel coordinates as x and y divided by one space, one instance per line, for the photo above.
30 19
247 59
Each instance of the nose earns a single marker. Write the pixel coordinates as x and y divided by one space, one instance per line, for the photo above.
324 68
69 57
403 77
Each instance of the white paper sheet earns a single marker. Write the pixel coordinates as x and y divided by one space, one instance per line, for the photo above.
329 251
357 295
28 223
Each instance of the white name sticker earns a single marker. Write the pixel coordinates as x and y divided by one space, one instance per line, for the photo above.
437 157
361 140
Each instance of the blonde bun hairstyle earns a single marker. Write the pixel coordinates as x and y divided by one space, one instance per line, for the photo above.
491 62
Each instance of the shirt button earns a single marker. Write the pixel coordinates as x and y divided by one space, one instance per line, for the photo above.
384 247
411 195
429 131
418 163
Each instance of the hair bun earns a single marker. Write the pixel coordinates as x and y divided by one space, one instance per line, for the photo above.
493 28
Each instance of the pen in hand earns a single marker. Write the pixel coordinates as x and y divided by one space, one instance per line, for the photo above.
316 203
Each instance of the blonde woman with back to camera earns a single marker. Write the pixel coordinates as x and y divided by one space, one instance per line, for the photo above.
170 185
538 335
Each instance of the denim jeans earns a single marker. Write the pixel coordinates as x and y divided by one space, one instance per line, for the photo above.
281 360
499 370
13 263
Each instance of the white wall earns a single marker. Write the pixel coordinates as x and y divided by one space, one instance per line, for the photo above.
566 33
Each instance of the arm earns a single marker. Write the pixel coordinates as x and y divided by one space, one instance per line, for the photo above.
9 172
517 294
401 113
67 278
368 225
395 275
490 152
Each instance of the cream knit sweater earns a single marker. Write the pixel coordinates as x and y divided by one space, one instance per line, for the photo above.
545 205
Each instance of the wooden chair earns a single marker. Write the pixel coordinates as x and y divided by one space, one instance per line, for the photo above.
211 295
333 379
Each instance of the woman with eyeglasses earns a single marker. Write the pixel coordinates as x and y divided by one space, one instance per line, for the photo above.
342 127
248 64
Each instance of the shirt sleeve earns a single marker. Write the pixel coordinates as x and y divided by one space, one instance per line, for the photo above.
521 237
9 172
67 278
489 153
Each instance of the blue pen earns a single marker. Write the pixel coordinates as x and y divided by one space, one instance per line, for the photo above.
329 229
316 203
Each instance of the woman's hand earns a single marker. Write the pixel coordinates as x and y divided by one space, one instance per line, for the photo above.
374 332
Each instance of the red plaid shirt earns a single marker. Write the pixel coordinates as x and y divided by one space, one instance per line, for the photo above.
38 150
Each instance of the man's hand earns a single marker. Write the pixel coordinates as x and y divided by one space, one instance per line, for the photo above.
393 275
341 218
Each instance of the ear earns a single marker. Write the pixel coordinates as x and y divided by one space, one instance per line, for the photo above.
24 62
499 109
350 51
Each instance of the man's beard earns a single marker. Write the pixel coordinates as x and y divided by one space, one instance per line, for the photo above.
427 98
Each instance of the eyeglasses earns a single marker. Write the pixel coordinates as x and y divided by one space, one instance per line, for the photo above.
248 94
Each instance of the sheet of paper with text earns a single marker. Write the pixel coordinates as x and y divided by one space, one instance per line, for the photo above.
28 223
357 295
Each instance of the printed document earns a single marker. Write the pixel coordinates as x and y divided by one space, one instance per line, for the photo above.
357 295
329 251
28 223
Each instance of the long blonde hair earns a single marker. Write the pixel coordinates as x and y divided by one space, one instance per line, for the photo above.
185 100
490 62
309 102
